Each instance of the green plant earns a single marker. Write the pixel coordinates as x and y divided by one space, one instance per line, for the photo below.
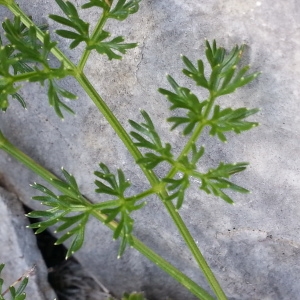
25 58
15 294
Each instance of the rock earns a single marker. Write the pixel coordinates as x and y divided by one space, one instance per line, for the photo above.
249 265
19 251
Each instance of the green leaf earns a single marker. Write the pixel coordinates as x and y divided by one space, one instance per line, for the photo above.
77 233
197 74
230 119
54 91
111 48
225 76
116 185
185 99
151 141
69 213
105 4
123 9
26 49
179 186
215 181
133 296
74 21
15 293
214 55
119 208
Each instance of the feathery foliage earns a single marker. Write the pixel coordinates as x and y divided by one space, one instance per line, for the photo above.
25 58
121 207
80 29
70 213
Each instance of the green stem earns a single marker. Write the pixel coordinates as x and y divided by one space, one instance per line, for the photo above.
153 179
95 34
104 109
192 245
138 245
141 195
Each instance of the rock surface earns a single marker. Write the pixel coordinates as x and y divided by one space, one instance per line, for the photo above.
19 251
253 246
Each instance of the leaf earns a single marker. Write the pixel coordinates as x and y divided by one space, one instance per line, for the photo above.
214 181
69 213
214 55
185 99
74 21
105 4
111 48
197 74
225 76
77 233
151 141
179 186
116 185
119 208
230 119
133 296
123 9
26 49
53 95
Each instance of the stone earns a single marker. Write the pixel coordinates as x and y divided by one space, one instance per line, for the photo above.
236 240
19 251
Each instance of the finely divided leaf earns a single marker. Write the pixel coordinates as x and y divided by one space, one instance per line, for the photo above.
215 181
74 21
147 137
71 214
105 4
113 185
121 207
111 48
230 119
197 74
54 93
178 187
185 99
123 9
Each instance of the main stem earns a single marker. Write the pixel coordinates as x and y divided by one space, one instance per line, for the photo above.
116 125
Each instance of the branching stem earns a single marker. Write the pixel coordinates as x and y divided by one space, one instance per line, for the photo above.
95 34
153 179
138 245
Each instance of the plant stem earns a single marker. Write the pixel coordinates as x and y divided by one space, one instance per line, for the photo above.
95 34
138 245
116 125
104 109
192 245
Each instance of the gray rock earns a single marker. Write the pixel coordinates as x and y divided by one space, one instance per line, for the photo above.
19 251
235 239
